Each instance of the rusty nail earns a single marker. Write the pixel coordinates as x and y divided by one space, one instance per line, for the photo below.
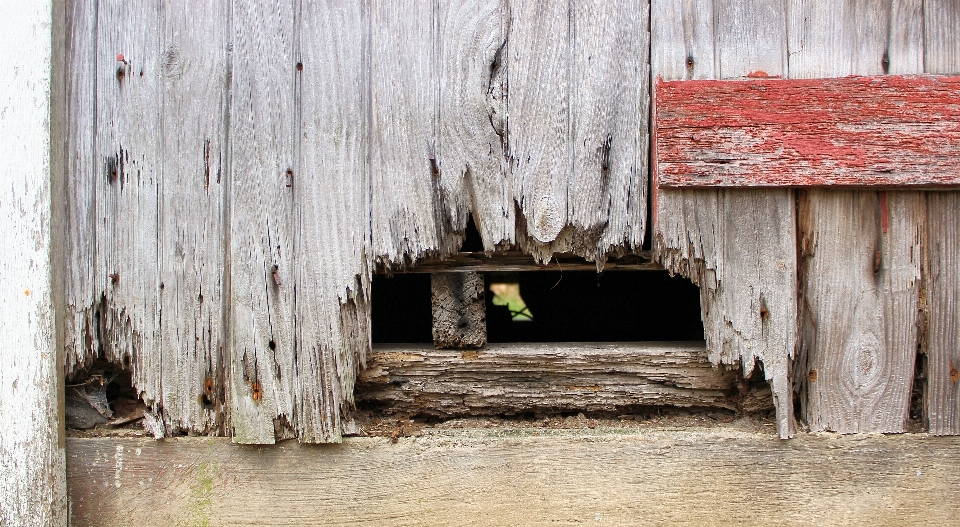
208 386
299 66
256 392
813 375
954 375
120 73
114 278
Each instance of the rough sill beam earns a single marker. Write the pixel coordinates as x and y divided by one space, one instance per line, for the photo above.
711 476
853 131
544 377
512 261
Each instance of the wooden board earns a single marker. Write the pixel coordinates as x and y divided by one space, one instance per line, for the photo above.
193 73
128 162
718 476
737 246
330 188
860 250
941 22
853 131
518 378
33 488
459 310
261 264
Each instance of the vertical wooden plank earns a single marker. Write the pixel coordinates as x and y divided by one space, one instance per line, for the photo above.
332 218
128 156
941 25
861 249
194 82
33 489
459 310
539 110
473 79
81 294
610 86
261 290
737 246
407 212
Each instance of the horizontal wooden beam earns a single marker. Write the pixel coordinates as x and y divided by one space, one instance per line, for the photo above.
511 261
544 377
701 476
887 131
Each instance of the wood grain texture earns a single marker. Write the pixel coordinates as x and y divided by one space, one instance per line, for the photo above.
515 378
129 161
459 310
520 477
332 218
860 292
737 246
941 24
852 131
474 171
860 275
85 172
193 75
609 112
33 488
539 109
408 220
262 266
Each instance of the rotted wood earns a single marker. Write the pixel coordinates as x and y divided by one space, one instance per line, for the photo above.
737 245
459 311
860 250
510 261
941 25
850 131
544 377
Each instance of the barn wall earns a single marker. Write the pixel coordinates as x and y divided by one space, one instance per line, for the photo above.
833 291
235 172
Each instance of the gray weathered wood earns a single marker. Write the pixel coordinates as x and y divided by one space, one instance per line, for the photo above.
128 172
193 72
737 246
33 489
521 477
861 250
516 378
941 23
473 59
332 218
260 294
408 220
860 290
459 310
85 173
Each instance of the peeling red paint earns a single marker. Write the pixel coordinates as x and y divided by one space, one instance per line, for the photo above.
764 132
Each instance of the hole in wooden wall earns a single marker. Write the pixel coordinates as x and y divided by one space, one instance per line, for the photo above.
102 397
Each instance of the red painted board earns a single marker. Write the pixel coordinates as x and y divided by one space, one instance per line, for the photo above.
886 131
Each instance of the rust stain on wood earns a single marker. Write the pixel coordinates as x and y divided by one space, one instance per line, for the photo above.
851 131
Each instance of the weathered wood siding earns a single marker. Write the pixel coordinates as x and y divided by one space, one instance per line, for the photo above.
737 246
236 172
33 487
876 268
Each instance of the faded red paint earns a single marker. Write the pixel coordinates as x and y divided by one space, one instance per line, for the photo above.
763 132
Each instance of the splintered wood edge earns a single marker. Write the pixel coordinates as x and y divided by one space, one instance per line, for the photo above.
513 261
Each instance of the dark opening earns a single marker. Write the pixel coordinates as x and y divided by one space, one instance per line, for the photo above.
572 306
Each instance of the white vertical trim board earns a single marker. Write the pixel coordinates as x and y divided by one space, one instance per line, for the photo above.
33 477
